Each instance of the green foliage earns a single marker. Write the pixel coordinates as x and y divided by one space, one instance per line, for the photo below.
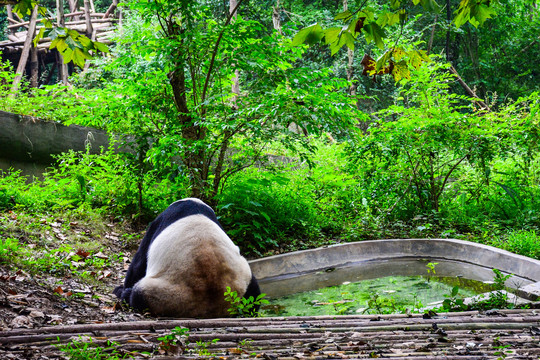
431 268
522 242
453 302
373 22
202 347
496 299
72 45
84 349
430 153
175 340
242 307
381 304
110 181
9 249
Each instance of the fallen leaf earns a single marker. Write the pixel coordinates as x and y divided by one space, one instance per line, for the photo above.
21 321
82 253
36 314
58 290
101 255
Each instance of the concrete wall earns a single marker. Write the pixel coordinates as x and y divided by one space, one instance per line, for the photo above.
28 143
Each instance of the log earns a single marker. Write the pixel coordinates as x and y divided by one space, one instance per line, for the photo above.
10 16
111 9
24 54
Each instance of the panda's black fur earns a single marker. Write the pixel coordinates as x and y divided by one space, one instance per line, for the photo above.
184 264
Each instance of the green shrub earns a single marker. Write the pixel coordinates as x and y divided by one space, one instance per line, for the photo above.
522 242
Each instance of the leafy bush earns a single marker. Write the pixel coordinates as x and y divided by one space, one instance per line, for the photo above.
9 249
523 242
107 182
242 307
290 205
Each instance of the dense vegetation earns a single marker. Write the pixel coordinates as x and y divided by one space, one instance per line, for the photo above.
309 151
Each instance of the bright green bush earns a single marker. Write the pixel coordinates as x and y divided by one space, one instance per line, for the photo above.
522 242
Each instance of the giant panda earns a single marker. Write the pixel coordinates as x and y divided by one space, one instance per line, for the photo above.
184 264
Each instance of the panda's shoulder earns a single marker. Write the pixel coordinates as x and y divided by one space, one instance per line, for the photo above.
182 209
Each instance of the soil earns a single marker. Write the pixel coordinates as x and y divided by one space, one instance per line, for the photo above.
30 300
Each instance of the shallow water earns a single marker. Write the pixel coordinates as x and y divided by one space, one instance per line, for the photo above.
382 295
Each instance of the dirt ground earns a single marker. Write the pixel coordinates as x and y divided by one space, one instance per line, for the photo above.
28 301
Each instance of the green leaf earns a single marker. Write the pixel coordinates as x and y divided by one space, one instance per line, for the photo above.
23 7
79 57
395 4
101 47
455 291
388 19
483 13
431 6
374 33
399 54
85 42
39 36
401 71
331 35
383 60
60 44
309 35
417 58
343 15
67 55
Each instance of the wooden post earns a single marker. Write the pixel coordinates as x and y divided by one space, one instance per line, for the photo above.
10 17
34 67
25 53
73 8
60 22
89 27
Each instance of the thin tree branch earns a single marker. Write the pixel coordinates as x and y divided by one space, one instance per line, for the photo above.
215 51
450 173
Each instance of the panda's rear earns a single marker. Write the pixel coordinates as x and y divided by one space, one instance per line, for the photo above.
190 265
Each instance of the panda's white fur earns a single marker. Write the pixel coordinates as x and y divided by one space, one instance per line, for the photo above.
190 264
184 264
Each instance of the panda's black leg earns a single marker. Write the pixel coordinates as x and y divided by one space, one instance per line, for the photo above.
253 289
136 300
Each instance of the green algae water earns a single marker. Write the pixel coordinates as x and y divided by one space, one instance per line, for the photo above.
392 294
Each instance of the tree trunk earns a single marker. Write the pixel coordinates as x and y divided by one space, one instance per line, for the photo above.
25 53
350 57
10 16
448 20
233 4
432 35
276 19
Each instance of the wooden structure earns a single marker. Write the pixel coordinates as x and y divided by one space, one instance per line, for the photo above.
40 63
495 334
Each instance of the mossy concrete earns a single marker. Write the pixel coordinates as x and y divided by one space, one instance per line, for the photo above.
311 269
